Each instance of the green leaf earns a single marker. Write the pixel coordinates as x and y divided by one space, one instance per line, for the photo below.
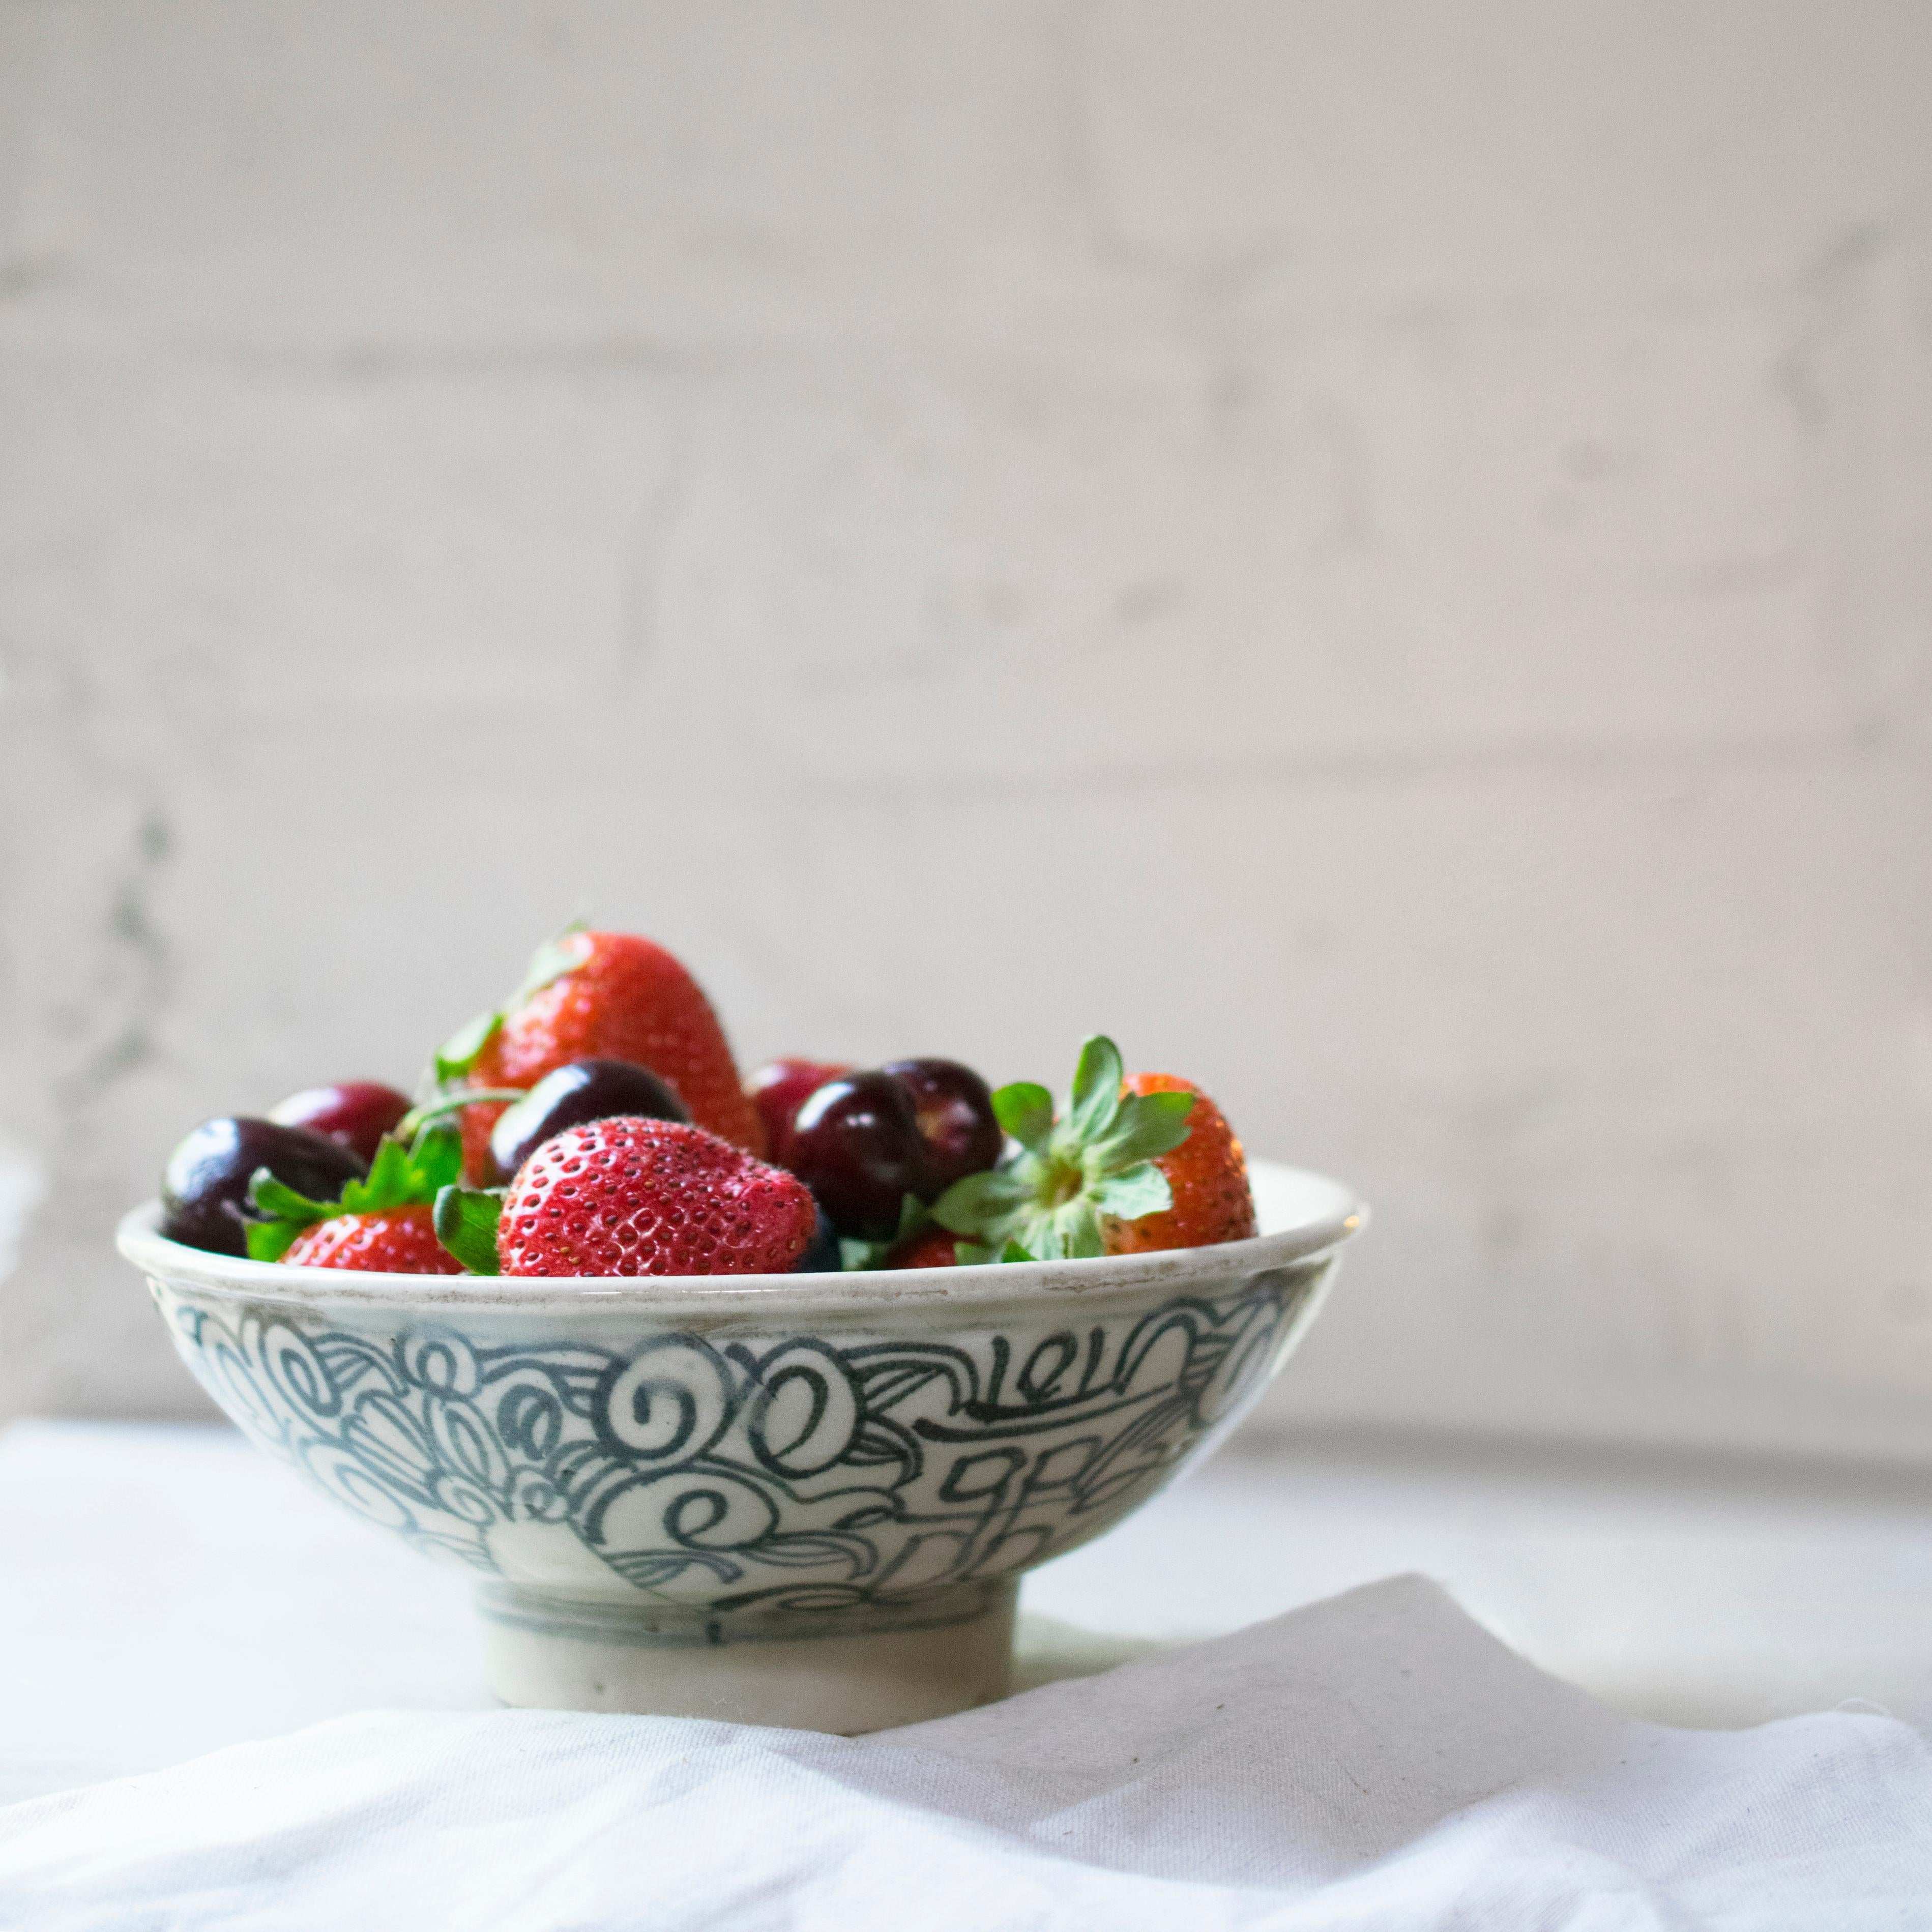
387 1184
437 1157
1096 1088
269 1240
971 1254
979 1203
551 960
282 1203
1025 1111
1141 1190
408 1175
1149 1125
466 1221
1080 1231
1042 1235
463 1048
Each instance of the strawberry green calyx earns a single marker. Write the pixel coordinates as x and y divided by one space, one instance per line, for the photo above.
403 1174
1096 1163
462 1050
466 1224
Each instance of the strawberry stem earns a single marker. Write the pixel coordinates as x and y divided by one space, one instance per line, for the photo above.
412 1123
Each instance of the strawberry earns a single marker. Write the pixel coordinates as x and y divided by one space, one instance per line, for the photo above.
392 1240
602 996
1206 1175
630 1196
1104 1178
402 1184
933 1249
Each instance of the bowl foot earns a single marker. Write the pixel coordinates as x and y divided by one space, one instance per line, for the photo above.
866 1668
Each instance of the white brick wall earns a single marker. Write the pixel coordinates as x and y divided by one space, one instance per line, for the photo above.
1379 551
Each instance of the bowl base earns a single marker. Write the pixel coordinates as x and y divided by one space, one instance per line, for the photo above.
869 1669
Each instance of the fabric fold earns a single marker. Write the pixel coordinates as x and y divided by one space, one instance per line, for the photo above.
1376 1761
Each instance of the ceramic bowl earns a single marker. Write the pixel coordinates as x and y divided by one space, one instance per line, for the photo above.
791 1499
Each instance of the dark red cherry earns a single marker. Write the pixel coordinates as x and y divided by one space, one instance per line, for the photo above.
954 1108
205 1185
356 1114
778 1089
821 1254
856 1144
586 1090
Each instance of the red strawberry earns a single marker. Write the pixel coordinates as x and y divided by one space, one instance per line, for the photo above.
933 1249
612 996
1131 1164
631 1196
1209 1176
381 1220
391 1240
778 1089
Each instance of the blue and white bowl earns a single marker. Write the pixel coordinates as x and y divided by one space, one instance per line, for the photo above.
791 1499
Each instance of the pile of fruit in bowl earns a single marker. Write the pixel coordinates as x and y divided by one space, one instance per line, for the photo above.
596 1125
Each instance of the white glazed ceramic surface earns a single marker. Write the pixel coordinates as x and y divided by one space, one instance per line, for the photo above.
636 1465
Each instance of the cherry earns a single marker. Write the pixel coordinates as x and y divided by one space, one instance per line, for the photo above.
856 1144
354 1114
778 1089
821 1254
954 1108
585 1090
205 1185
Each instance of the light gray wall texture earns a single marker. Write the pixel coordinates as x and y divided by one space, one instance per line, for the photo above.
1378 552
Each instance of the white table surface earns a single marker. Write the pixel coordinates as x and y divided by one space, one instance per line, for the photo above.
168 1591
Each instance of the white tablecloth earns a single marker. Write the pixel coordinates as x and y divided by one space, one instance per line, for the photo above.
165 1592
1377 1761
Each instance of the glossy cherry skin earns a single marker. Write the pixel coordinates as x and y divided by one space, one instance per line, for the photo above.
205 1185
356 1114
568 1097
856 1144
778 1089
954 1108
821 1254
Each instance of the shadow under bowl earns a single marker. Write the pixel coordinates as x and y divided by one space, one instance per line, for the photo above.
801 1500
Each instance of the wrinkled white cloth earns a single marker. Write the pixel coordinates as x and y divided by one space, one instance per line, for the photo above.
1376 1761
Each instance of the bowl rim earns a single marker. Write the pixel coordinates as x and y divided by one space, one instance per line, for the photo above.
1334 1216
